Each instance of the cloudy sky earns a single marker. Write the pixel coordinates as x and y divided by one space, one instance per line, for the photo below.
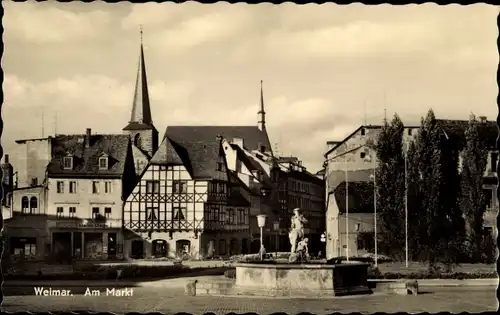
326 69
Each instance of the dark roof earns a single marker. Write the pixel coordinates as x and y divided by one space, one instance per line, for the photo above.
139 126
86 160
335 178
455 131
198 147
33 139
252 136
237 200
361 194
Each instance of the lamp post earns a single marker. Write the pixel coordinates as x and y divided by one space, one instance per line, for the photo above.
346 210
276 226
261 222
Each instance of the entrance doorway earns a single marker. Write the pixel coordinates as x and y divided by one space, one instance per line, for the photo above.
137 249
244 246
61 247
183 248
160 248
111 245
93 245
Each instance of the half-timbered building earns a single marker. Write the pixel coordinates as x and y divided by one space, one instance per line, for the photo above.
185 202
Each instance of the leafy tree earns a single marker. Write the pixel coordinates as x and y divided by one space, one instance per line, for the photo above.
415 210
472 198
428 160
390 193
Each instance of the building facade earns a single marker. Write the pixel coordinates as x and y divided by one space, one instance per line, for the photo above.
88 180
185 202
353 160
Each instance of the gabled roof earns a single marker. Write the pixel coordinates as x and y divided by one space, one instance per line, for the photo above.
86 160
198 147
454 129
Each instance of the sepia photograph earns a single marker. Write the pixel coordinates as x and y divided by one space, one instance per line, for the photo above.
236 158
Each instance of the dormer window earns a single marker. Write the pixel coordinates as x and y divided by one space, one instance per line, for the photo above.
103 162
68 162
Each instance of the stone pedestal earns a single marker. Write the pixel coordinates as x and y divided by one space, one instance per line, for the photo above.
311 280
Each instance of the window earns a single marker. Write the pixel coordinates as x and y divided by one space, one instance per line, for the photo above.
220 166
60 187
72 187
137 140
179 187
494 160
488 197
231 216
356 227
95 187
29 250
25 204
241 216
107 212
221 188
95 212
363 132
179 213
152 214
103 163
72 212
410 131
60 211
33 205
34 181
107 187
222 247
152 186
68 162
362 155
238 166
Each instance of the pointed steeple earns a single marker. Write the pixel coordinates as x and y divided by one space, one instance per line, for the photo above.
141 109
262 113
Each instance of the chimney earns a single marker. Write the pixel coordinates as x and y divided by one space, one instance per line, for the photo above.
238 142
87 138
483 119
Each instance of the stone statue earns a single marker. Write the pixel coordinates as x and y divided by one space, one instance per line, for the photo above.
297 229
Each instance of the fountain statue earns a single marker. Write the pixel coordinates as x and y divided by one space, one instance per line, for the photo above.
299 251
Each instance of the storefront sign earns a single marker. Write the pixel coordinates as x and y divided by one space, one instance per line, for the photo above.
80 225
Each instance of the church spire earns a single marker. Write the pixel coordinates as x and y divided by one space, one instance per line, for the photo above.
141 110
262 113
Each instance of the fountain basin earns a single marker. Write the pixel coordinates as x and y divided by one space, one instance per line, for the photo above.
301 280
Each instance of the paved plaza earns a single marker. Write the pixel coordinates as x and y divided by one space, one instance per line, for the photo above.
173 300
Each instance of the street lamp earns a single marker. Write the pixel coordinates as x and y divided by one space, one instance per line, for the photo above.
406 201
261 222
276 226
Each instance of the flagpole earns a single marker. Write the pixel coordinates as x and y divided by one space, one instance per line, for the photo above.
406 205
375 207
346 210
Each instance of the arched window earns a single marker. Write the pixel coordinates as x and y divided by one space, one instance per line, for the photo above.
137 140
33 205
25 204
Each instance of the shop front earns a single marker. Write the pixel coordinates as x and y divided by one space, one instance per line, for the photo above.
86 241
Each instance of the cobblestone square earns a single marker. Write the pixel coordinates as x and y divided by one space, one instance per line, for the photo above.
170 301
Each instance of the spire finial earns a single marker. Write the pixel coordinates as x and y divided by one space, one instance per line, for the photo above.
140 28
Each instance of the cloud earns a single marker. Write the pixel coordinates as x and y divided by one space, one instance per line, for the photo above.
43 23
